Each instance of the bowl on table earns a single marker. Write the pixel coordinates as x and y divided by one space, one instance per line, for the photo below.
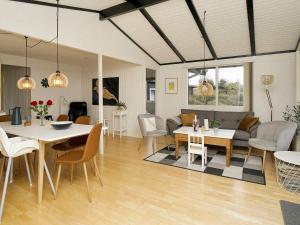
61 125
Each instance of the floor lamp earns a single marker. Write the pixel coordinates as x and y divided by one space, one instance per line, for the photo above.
267 80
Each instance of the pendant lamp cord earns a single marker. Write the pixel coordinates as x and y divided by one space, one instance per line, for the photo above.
26 40
57 17
204 45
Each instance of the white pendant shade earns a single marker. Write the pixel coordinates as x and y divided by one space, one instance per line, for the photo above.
26 83
205 89
267 80
58 80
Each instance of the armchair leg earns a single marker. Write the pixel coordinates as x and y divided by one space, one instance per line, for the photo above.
154 144
248 155
87 182
264 159
166 139
141 143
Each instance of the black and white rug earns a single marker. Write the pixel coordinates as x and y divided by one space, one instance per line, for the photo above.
216 164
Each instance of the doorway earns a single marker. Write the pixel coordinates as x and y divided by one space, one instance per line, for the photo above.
151 91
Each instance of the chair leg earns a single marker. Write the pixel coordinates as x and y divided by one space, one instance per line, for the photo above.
2 167
27 169
154 144
93 169
49 178
166 139
12 171
8 171
57 180
264 159
189 159
248 155
32 164
87 182
71 173
202 159
141 143
97 170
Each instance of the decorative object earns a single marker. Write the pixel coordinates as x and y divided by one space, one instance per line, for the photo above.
196 123
204 88
57 79
26 82
61 125
267 80
240 171
16 117
288 170
215 124
110 91
206 126
187 118
292 114
121 106
62 102
45 83
247 122
171 85
41 109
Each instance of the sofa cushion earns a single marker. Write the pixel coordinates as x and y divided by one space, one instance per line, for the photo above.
241 135
247 123
187 118
230 120
202 114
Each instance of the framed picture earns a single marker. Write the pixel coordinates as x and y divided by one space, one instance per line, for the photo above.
110 91
171 85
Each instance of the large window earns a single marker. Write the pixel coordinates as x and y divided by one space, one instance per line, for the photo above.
227 82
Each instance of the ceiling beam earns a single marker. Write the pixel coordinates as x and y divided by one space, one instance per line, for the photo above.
55 5
123 32
199 23
250 13
297 44
127 7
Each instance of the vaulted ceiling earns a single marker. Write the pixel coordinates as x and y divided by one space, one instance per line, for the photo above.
173 31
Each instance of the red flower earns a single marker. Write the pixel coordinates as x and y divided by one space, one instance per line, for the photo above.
49 102
41 102
33 103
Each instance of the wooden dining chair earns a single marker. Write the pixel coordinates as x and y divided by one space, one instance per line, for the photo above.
62 117
82 157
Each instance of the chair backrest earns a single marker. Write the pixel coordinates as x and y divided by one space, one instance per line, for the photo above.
77 109
62 117
5 118
83 120
5 143
281 132
92 144
196 139
159 123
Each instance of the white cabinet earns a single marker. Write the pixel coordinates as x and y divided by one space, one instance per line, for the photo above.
119 122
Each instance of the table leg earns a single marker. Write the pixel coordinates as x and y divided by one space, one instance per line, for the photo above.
41 170
177 146
228 153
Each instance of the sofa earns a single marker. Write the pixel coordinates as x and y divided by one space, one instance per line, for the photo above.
229 120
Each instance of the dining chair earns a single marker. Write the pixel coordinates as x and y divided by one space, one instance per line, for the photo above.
196 147
272 136
151 126
15 147
62 117
82 157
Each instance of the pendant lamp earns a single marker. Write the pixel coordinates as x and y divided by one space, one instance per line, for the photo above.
57 79
26 82
204 88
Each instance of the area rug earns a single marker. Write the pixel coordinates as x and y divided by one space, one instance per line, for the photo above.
216 164
290 212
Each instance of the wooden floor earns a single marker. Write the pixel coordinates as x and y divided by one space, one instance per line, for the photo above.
137 192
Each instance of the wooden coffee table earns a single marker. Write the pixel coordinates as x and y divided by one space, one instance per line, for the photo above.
222 137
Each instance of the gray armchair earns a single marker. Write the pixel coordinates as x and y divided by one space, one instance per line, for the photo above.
273 136
158 132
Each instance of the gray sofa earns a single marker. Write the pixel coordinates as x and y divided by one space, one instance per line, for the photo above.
229 120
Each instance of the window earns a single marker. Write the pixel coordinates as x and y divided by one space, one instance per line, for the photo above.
227 82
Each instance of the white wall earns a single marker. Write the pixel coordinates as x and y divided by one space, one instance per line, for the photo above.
80 30
283 90
298 76
41 69
132 79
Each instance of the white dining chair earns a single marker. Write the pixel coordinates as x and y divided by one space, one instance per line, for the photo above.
15 147
196 147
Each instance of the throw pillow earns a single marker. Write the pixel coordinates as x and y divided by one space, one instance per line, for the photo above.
247 123
150 124
187 119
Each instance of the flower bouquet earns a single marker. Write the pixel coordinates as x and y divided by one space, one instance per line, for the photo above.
41 109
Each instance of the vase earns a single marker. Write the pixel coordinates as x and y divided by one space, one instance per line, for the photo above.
42 121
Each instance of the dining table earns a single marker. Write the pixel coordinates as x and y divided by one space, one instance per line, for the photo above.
44 135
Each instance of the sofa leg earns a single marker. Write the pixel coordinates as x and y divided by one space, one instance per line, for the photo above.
248 155
264 159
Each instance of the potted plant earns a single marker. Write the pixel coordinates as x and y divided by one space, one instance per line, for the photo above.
292 114
121 106
215 124
41 109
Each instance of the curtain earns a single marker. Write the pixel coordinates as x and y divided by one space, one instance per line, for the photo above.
248 86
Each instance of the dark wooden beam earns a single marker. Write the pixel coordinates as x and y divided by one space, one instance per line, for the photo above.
199 23
140 47
127 7
162 34
297 44
55 5
250 13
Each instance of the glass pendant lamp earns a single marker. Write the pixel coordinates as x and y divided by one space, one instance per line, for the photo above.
57 79
26 82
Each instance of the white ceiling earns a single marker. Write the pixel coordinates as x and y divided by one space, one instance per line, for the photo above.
88 4
14 44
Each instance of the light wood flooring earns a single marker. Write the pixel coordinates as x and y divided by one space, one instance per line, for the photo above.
137 192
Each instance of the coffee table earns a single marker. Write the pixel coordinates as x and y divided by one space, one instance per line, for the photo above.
221 137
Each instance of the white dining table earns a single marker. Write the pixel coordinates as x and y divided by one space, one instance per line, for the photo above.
44 134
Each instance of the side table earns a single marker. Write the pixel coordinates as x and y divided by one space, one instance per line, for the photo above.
121 116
